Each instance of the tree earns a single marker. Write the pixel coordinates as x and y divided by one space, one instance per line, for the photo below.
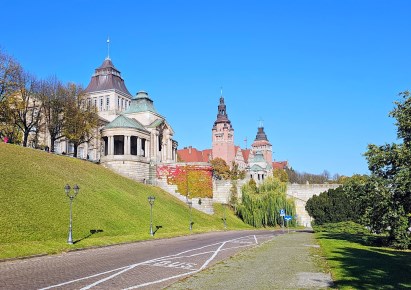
260 207
24 106
79 120
280 174
9 69
235 172
53 95
331 206
390 165
220 168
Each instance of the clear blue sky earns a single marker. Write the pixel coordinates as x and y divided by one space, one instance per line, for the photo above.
322 75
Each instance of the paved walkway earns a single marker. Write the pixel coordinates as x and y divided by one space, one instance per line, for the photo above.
289 261
151 264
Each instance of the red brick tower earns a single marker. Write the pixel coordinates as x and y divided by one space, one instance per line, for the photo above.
223 135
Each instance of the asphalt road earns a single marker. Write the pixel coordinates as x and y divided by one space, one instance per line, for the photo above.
149 265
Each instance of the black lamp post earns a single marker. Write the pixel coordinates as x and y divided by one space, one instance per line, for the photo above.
151 202
71 197
190 205
224 217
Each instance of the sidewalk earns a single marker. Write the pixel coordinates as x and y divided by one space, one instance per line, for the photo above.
289 261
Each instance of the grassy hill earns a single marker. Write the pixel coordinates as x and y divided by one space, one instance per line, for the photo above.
34 210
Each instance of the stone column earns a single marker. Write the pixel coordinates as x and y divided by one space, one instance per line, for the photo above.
147 152
110 145
138 146
126 145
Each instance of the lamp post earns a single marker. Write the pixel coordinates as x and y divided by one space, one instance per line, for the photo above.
71 197
151 202
190 204
224 217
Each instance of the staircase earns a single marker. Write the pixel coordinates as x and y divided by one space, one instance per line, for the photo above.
206 204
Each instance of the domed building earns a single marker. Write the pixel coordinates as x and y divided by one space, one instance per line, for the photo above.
133 137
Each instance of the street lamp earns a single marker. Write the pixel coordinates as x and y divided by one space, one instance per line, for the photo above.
224 217
71 197
151 202
190 205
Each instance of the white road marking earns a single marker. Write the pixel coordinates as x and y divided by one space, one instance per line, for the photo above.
84 278
158 261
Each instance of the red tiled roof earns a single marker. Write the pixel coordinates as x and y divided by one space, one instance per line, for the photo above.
280 164
246 154
193 155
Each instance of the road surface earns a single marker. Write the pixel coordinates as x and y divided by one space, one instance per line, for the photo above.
149 265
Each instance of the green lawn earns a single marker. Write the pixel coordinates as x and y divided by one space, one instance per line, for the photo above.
355 264
34 210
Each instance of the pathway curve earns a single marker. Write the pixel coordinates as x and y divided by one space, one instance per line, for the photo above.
150 265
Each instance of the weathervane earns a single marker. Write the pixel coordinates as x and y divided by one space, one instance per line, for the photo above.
261 125
108 47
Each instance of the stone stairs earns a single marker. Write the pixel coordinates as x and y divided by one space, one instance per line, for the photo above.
206 204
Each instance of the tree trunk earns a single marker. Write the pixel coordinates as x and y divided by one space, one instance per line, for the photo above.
25 137
52 141
75 150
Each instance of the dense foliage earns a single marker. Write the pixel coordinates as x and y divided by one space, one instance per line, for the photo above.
382 201
30 107
260 206
390 167
304 177
192 181
280 174
221 170
330 206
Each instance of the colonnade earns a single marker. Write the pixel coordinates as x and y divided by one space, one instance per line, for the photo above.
126 145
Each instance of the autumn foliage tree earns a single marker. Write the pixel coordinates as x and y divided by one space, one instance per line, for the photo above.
80 121
53 95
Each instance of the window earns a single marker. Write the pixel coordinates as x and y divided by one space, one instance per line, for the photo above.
101 104
118 103
107 103
122 104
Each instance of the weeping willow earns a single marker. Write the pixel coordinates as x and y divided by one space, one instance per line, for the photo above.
260 207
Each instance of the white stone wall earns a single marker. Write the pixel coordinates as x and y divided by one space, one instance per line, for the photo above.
221 190
135 170
301 193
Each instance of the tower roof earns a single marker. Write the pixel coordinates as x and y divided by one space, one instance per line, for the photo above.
261 136
124 122
141 102
222 116
107 77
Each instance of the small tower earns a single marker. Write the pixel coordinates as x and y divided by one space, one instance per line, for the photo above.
223 135
261 144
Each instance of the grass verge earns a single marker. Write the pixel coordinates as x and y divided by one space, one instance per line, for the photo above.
109 209
355 263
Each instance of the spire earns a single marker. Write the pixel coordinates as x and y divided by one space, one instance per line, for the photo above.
261 135
222 116
108 47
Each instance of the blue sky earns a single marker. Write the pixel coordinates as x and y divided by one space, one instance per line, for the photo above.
322 75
